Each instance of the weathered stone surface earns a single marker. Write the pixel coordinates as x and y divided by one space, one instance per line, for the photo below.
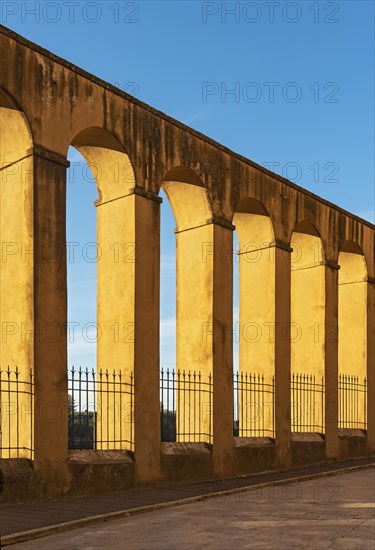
335 513
47 105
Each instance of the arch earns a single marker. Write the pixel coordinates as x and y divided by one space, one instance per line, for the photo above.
81 229
188 197
307 328
251 205
256 263
352 335
113 174
16 267
252 221
183 175
307 227
307 245
194 235
16 137
110 164
351 246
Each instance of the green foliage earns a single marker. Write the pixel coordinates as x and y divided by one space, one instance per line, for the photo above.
168 425
72 407
81 428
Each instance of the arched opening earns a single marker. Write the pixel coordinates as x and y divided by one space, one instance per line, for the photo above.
167 338
167 286
100 294
307 329
82 253
254 274
352 337
186 393
16 272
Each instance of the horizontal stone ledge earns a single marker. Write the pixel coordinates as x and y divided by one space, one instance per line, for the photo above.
273 244
254 442
185 448
132 191
16 466
332 265
352 432
283 246
223 222
307 437
100 457
326 263
42 152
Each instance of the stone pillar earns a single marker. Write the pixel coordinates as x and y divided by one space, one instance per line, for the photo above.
371 365
282 354
331 360
128 317
146 337
222 350
204 332
50 317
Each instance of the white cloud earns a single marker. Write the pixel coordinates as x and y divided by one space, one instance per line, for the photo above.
167 266
167 328
236 314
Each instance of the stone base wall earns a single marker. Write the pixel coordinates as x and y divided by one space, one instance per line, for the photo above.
96 472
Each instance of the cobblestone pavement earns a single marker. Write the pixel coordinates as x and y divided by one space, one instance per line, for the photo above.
336 513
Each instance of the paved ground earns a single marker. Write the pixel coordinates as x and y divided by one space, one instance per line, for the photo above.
335 512
25 517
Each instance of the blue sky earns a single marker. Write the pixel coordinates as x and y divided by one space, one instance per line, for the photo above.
303 86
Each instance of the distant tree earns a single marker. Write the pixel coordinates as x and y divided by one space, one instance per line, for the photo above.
72 407
167 424
81 426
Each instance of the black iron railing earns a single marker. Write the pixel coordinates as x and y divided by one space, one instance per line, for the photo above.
352 402
254 398
16 414
100 410
307 403
185 406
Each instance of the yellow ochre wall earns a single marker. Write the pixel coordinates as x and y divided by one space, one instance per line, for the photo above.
194 307
308 322
256 316
115 288
352 326
16 278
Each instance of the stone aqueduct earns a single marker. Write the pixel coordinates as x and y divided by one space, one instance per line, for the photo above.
48 105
